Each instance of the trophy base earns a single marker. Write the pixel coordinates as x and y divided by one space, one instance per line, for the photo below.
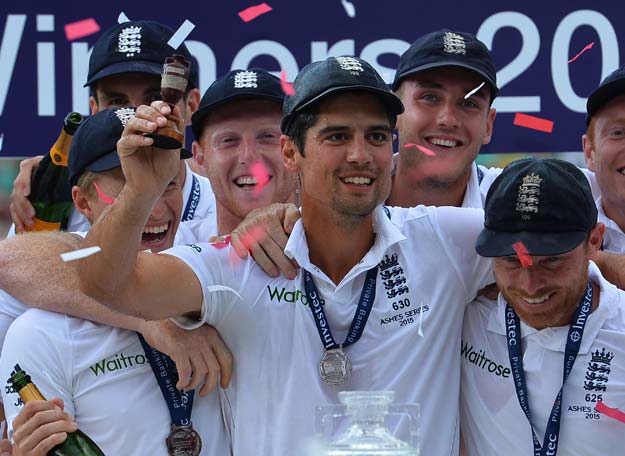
167 137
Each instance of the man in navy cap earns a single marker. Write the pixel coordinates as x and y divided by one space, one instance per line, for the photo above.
291 340
125 70
542 369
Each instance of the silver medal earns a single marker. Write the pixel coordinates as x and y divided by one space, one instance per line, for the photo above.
335 367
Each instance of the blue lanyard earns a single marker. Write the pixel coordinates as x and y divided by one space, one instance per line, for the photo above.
179 403
573 343
193 201
360 317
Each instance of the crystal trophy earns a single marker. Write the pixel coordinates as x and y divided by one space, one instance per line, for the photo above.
366 433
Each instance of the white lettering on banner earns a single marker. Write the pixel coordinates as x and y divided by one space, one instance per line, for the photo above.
9 46
488 32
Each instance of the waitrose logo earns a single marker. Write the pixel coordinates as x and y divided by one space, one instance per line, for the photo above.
117 362
293 296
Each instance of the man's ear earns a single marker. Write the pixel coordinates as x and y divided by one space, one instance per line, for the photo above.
290 153
595 239
589 152
198 153
82 203
193 102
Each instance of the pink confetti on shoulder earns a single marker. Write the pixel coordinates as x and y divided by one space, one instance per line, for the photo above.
425 150
259 172
251 13
106 199
80 29
532 122
524 256
286 86
586 48
611 412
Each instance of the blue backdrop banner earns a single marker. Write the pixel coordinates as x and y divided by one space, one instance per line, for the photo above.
42 72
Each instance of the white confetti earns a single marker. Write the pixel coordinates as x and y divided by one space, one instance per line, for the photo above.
122 18
350 9
80 253
181 34
474 90
1 141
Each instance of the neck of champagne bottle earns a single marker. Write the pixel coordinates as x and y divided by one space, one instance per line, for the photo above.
59 152
25 387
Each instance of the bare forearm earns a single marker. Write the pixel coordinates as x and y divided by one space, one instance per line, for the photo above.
32 271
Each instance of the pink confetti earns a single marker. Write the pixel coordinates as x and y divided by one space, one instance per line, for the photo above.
524 256
425 150
253 12
535 123
287 87
611 412
102 195
587 47
80 29
259 172
223 242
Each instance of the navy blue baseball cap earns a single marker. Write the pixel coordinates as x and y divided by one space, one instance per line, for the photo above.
546 204
135 47
333 75
237 84
611 87
94 145
448 48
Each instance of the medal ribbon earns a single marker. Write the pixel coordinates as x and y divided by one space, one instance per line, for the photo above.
193 201
573 343
360 317
179 403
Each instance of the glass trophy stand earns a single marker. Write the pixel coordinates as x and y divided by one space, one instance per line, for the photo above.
363 418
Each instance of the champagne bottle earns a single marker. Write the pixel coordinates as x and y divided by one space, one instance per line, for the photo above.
51 194
77 442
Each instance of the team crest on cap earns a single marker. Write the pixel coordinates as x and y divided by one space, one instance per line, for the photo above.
129 41
350 64
245 79
528 196
124 115
454 43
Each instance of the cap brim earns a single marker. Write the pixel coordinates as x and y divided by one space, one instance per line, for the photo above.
391 101
602 96
443 63
130 66
201 114
499 243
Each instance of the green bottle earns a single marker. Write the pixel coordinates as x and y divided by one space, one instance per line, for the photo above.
51 194
77 442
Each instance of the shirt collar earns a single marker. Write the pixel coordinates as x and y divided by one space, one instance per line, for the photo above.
472 195
555 338
614 238
387 234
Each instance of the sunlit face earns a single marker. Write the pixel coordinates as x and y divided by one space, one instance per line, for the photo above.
438 117
240 144
547 293
605 152
347 156
162 224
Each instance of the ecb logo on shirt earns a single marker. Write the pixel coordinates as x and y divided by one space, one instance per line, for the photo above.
599 368
393 278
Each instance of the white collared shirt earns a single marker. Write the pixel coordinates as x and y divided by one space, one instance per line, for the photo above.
613 238
492 420
429 269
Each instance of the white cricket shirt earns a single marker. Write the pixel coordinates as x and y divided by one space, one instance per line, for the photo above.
428 271
492 420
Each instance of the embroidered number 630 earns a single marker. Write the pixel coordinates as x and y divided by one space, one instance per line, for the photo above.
401 304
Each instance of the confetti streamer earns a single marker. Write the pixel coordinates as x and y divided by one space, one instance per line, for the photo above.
81 29
181 34
535 123
611 412
221 242
524 256
474 90
425 150
80 254
122 18
287 87
587 47
106 199
350 9
259 172
253 12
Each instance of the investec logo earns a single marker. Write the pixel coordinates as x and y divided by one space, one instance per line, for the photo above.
280 295
117 362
